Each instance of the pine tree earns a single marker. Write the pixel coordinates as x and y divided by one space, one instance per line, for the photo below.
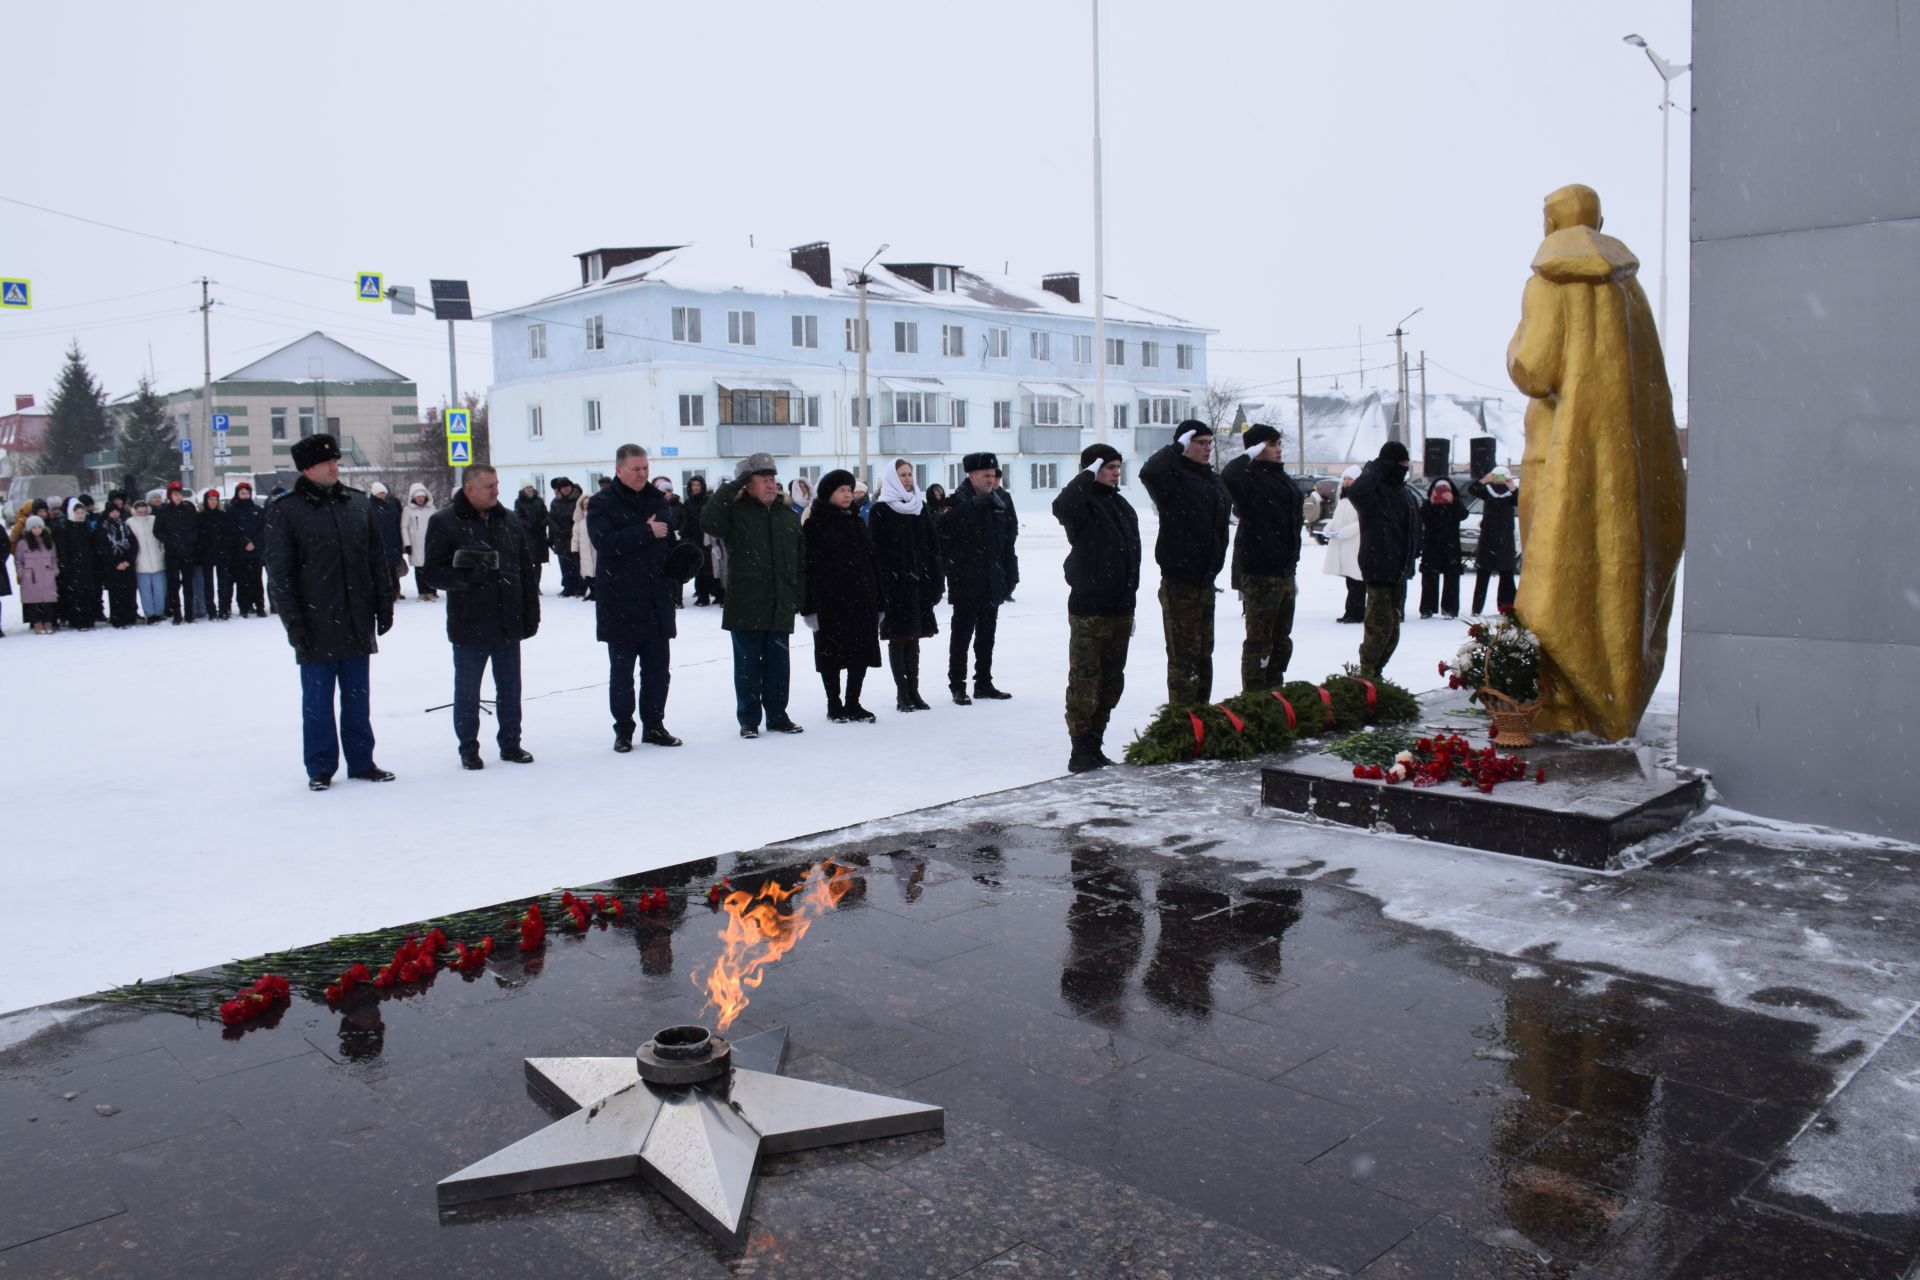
148 450
77 421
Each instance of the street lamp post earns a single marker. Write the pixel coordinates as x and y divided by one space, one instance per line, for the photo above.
861 407
1669 72
1405 422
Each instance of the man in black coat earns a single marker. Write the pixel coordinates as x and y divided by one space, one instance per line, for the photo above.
632 597
174 524
560 536
532 511
1103 577
1195 512
1499 552
477 553
977 531
247 525
1266 554
328 576
386 518
1389 548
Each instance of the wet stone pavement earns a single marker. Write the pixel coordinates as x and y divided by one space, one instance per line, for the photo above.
1158 1058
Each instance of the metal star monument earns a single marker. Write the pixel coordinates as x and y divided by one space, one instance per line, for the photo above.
689 1113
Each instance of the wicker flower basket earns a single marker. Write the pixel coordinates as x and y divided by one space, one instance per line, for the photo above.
1511 719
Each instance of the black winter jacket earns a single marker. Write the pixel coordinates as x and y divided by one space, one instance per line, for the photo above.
843 591
1271 509
632 595
109 551
533 521
1440 535
1499 548
560 521
327 572
174 524
498 606
1103 534
386 519
79 570
247 522
213 538
906 552
1389 524
977 532
1195 512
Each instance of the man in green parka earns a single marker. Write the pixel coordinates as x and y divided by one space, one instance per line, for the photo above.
766 580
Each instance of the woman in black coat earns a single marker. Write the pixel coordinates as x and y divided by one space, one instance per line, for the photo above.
706 588
114 549
1499 551
906 552
1440 518
79 581
842 604
213 556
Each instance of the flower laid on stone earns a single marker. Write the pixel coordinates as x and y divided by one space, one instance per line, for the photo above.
1449 758
577 911
268 992
533 929
415 960
470 959
718 890
608 907
654 899
355 976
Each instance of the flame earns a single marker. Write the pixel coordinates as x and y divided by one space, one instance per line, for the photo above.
759 932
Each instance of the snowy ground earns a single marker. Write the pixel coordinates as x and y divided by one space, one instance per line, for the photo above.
156 788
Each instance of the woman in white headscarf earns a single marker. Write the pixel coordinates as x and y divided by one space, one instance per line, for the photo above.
906 554
1343 550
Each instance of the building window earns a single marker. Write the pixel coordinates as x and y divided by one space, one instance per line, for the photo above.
960 414
693 411
593 417
1162 411
333 427
1049 411
911 407
536 342
906 338
1083 348
853 407
1120 417
1040 344
306 421
277 418
596 333
539 482
1002 414
1044 475
686 324
536 423
806 410
740 329
806 331
943 279
999 343
1116 351
1149 355
953 340
757 408
1183 355
954 476
855 338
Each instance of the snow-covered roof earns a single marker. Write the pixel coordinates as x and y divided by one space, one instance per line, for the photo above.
1350 426
715 268
315 358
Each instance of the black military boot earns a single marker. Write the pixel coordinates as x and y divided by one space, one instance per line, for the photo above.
1086 756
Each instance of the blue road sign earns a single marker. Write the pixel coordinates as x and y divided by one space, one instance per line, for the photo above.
186 446
459 423
17 294
220 421
371 286
669 450
459 453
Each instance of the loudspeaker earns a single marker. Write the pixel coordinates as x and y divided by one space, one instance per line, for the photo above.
1483 452
1439 457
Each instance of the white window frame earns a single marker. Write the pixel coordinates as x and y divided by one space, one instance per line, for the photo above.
277 423
1003 415
953 340
591 415
959 414
804 411
1183 355
536 423
854 337
741 329
1050 411
806 332
308 422
1083 348
943 279
1117 352
1043 475
693 410
536 342
1163 411
596 333
1040 345
906 337
999 343
912 408
1120 417
1149 355
686 325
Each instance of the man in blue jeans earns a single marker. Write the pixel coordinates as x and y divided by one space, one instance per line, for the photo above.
766 580
477 553
632 531
327 574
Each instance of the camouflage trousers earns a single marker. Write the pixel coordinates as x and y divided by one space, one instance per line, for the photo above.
1267 604
1386 606
1187 612
1096 670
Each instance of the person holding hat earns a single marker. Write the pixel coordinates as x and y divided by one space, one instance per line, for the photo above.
628 534
842 601
386 518
912 579
1499 550
531 509
1195 514
978 531
477 553
213 558
560 534
767 580
1440 518
1103 579
1266 555
174 523
327 574
37 565
1389 549
1343 550
247 526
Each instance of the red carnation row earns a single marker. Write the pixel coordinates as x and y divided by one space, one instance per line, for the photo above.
356 975
470 959
533 928
654 899
267 993
1446 759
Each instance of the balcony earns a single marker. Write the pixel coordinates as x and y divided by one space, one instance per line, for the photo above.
1064 440
737 441
1150 440
905 438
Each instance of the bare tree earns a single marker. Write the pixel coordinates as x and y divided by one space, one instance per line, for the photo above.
1221 406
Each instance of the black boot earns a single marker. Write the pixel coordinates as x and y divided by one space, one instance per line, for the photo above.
985 689
960 698
856 681
913 676
897 662
836 711
1085 757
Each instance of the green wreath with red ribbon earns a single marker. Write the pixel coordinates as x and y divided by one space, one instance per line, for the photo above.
1252 724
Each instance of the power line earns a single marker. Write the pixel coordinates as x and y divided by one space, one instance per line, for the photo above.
183 244
1488 386
88 326
96 302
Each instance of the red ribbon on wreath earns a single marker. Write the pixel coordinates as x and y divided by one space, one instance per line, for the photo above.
1292 722
1373 694
1199 731
1326 700
1239 725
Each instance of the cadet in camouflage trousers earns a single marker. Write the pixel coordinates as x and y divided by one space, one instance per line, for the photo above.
1187 611
1386 607
1096 671
1268 606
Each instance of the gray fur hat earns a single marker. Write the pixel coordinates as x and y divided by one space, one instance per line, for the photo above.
755 464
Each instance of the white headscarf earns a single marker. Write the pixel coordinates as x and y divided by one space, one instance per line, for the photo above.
75 509
907 502
1349 475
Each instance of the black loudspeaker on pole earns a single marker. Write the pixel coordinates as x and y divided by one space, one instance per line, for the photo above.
1439 457
1483 452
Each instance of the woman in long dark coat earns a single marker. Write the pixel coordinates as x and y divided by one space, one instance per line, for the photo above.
1499 553
79 579
115 549
1440 518
912 576
842 603
706 588
213 556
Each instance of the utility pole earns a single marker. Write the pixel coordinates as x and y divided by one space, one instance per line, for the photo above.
1360 354
203 437
1669 72
1099 255
1300 412
863 407
1400 370
1423 405
453 402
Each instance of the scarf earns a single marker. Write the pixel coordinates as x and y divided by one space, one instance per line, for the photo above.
907 502
118 539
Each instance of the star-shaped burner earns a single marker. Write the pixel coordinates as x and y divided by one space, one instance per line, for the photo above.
689 1113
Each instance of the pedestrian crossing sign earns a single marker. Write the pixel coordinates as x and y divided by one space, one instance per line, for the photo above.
459 453
16 294
459 423
372 286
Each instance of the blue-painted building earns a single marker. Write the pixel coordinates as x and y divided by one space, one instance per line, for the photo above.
705 354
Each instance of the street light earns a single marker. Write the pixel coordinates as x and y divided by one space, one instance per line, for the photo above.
862 408
1400 372
1669 72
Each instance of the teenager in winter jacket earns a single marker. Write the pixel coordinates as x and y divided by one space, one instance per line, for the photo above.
1389 549
174 523
978 533
413 538
767 567
37 565
842 604
115 555
1195 511
912 578
532 513
1440 518
1266 555
1498 554
79 577
150 563
213 559
1103 580
248 530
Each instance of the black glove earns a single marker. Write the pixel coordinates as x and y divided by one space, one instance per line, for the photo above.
383 623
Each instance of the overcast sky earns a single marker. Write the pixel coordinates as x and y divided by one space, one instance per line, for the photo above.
1294 176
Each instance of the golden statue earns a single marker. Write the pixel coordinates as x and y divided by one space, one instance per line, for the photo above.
1603 508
